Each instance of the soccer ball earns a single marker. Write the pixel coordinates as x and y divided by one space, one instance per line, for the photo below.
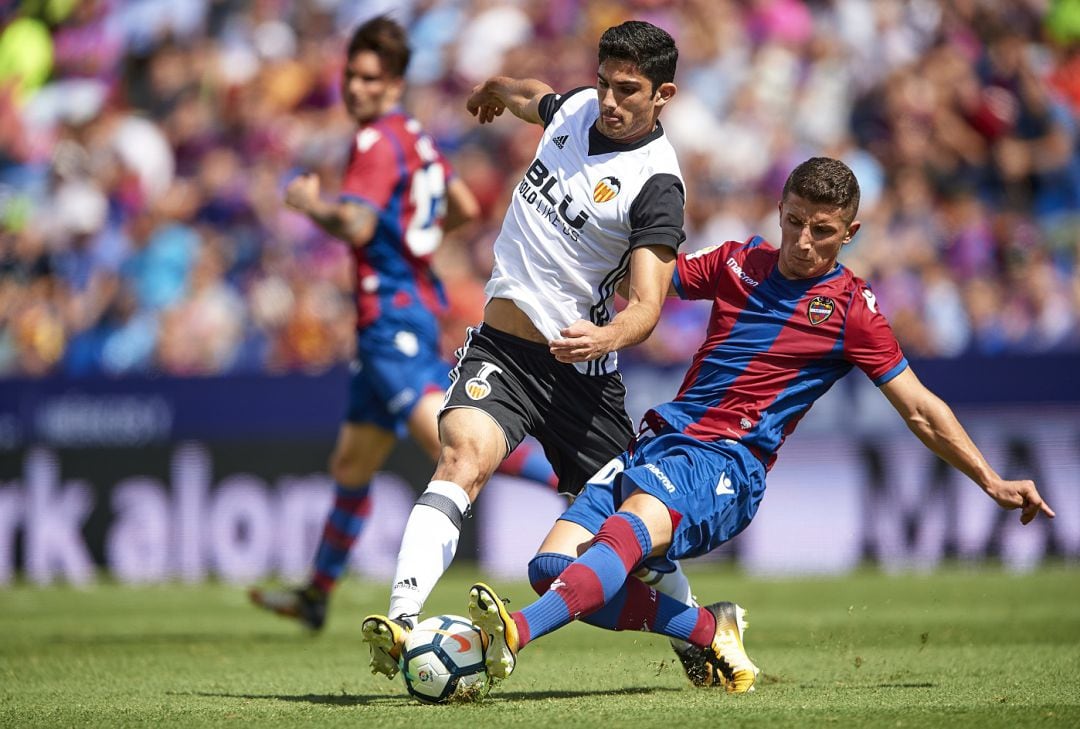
443 659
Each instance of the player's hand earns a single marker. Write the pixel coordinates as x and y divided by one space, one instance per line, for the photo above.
582 341
484 105
302 192
1020 495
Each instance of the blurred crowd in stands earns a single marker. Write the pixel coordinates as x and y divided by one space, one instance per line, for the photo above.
145 144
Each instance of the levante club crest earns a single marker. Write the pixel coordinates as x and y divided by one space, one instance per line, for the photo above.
820 309
606 189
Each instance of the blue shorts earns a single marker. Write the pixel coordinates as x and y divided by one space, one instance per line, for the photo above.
712 489
393 369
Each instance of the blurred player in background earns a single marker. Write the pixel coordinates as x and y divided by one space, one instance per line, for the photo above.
786 324
601 202
397 198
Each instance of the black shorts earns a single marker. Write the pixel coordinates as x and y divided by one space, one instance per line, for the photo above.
580 420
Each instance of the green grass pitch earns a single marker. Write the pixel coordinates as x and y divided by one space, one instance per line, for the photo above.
957 647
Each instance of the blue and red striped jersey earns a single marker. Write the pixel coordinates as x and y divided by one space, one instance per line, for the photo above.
774 345
395 168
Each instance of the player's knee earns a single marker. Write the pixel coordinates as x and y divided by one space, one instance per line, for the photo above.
627 535
348 470
544 568
466 466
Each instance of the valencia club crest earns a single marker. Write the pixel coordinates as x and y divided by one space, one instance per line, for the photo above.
606 189
820 309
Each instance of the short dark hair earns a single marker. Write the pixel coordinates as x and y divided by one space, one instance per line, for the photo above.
650 48
825 181
385 38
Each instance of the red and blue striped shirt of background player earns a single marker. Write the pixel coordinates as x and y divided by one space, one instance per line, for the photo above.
397 170
774 345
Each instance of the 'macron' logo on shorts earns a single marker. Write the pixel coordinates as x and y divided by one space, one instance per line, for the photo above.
820 309
661 477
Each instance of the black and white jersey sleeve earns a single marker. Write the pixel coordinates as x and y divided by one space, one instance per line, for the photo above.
551 103
656 215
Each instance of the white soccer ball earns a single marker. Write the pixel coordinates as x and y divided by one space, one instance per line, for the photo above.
443 659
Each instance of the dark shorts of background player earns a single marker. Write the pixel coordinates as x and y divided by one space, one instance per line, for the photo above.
580 420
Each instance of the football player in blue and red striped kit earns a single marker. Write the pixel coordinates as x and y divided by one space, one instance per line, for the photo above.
397 198
786 324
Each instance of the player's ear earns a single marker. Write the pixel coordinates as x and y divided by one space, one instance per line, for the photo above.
397 87
664 93
851 231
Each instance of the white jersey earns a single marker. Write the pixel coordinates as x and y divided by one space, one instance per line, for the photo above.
584 203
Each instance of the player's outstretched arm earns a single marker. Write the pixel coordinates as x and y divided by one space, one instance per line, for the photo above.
348 221
936 425
521 96
650 273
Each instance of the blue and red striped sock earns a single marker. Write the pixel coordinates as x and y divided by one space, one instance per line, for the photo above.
593 578
545 567
528 461
638 606
342 527
635 606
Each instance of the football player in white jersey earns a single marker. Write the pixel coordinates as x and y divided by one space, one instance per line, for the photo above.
601 202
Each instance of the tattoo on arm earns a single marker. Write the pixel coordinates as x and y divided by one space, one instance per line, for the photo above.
348 221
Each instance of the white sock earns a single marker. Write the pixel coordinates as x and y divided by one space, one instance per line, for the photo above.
673 584
427 549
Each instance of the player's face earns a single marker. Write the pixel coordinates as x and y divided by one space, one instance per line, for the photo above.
367 90
812 235
629 105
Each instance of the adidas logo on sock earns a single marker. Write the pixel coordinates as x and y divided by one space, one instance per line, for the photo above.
560 142
408 582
